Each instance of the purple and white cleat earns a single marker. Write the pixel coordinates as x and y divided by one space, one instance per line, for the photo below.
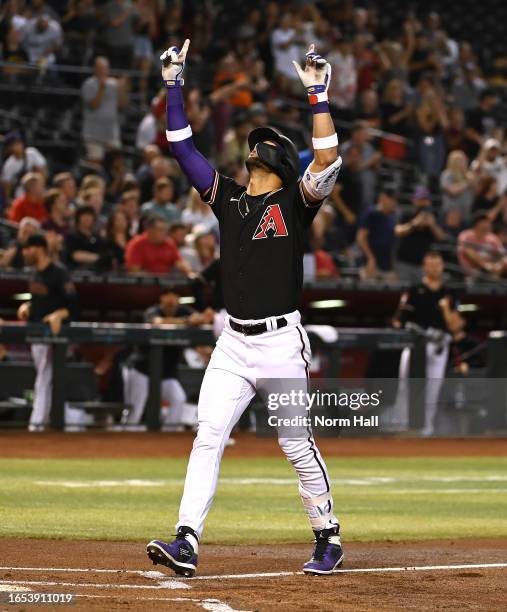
178 555
327 555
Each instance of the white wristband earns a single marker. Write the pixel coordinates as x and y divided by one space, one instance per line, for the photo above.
325 143
177 135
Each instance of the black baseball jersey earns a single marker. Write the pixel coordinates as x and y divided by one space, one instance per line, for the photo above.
422 307
261 247
51 290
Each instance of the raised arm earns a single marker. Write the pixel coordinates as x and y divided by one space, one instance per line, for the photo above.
319 179
198 170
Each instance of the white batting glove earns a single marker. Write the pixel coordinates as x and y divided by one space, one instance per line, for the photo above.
315 76
173 64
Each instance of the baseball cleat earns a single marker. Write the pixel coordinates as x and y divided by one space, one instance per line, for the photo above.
328 554
178 555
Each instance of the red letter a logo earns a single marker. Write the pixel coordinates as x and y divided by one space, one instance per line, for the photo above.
271 220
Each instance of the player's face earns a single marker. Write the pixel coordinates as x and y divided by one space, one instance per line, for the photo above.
433 267
252 162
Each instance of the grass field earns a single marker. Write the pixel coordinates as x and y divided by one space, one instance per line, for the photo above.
257 500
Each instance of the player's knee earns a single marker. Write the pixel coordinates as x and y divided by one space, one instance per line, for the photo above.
293 448
209 438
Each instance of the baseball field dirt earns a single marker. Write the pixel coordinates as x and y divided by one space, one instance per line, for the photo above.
469 574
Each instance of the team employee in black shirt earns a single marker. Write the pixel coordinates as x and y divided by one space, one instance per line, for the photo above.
427 307
53 302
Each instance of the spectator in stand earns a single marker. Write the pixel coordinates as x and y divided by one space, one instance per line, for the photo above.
14 55
94 197
146 30
417 231
119 179
103 96
179 232
58 211
42 39
457 185
431 121
347 199
66 182
84 248
129 204
150 152
162 204
453 223
376 237
198 213
117 235
119 28
12 257
31 203
158 167
367 62
465 91
481 122
396 110
368 111
343 85
491 162
370 161
423 59
487 198
480 250
235 146
20 160
153 252
286 42
455 133
202 253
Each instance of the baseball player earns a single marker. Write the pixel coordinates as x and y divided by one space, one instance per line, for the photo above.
429 306
262 228
54 302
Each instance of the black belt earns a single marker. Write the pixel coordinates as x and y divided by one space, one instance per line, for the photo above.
256 328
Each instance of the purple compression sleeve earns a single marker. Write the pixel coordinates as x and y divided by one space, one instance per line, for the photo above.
199 171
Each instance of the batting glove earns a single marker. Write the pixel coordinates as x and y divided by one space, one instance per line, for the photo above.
315 76
173 64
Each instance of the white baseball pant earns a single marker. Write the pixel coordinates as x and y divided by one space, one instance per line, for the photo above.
41 409
436 365
229 385
135 392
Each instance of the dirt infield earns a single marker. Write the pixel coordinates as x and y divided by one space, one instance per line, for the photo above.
108 444
220 586
376 576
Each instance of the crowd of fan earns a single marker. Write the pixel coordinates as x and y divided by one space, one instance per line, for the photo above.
404 91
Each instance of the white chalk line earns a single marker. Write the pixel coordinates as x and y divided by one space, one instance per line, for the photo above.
367 481
414 568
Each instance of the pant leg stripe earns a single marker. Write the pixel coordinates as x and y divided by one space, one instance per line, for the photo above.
310 439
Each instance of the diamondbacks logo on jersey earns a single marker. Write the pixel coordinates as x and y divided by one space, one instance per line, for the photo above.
272 221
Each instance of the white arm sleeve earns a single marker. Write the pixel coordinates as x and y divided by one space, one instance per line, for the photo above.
320 184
